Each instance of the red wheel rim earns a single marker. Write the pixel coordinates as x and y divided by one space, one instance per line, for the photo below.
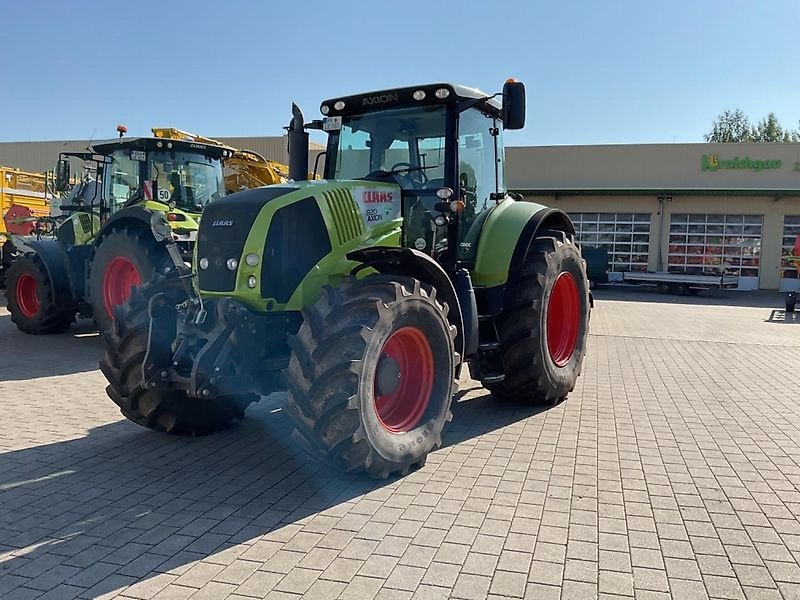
120 277
563 319
28 295
403 380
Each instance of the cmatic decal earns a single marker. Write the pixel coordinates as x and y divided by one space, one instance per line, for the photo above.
377 205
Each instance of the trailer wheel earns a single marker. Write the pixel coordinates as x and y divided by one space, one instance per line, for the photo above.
371 376
172 411
125 258
31 298
543 328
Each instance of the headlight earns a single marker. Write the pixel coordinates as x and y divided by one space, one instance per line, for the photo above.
232 264
339 105
3 239
419 95
442 93
252 281
251 259
203 263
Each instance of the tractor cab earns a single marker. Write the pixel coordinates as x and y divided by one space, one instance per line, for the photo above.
184 176
442 144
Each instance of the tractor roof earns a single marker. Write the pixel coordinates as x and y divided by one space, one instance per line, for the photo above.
402 97
152 143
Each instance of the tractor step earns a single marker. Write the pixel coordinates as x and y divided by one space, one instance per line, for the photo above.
488 346
493 379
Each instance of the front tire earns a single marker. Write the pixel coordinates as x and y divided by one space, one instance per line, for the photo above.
371 376
125 258
172 411
543 329
31 298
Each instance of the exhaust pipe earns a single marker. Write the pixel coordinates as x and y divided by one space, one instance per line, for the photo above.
298 146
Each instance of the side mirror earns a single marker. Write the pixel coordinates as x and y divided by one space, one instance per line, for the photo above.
513 104
62 175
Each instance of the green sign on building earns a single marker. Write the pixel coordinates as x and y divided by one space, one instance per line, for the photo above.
712 162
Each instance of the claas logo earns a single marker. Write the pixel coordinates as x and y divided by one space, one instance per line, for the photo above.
375 197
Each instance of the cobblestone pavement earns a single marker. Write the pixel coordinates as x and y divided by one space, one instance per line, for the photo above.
672 471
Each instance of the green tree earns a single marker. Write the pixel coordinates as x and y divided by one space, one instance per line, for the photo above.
770 130
730 126
734 126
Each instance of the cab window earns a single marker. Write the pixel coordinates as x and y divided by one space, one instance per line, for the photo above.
478 136
124 179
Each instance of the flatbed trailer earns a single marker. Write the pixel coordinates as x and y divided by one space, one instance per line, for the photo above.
681 283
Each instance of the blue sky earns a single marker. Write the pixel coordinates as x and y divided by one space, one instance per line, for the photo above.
622 71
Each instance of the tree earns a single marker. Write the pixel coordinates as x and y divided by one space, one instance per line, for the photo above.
734 126
730 126
769 130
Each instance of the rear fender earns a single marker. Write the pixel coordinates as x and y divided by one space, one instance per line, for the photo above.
412 263
504 241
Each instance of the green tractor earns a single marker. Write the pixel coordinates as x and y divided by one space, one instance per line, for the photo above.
101 244
365 293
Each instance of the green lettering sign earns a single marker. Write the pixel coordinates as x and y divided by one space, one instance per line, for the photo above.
712 162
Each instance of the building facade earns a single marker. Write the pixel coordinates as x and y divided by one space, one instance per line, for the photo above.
695 208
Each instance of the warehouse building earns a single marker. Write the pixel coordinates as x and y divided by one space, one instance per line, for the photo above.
694 208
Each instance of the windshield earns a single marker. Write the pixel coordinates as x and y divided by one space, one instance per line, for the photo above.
187 179
406 144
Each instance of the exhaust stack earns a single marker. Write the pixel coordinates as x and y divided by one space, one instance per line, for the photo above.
298 146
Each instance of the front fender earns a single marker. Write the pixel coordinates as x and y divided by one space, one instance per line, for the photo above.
56 262
413 263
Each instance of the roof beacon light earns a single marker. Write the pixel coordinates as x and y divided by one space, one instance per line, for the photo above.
419 95
442 93
122 130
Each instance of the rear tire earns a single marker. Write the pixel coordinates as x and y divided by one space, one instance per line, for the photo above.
371 376
172 411
31 298
124 259
543 329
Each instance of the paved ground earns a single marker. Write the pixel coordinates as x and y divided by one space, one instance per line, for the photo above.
672 471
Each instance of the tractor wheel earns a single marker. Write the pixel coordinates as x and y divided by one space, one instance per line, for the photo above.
124 259
172 411
544 327
371 376
31 298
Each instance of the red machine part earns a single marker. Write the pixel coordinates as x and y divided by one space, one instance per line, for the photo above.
20 220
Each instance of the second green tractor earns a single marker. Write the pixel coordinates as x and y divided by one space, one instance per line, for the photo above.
364 294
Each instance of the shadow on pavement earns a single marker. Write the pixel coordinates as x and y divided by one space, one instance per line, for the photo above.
781 316
80 349
124 504
630 293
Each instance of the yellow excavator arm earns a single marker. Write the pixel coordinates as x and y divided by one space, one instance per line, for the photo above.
245 169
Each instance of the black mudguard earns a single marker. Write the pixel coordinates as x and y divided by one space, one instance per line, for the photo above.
57 263
413 263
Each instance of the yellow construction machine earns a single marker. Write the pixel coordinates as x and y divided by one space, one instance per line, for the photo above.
244 170
24 199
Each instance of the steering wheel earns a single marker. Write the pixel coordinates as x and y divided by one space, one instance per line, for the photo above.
409 168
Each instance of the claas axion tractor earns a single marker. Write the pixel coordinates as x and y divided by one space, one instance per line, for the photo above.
363 294
103 245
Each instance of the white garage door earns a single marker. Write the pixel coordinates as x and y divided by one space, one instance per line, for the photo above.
706 243
626 236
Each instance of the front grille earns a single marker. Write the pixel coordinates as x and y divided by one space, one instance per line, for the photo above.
224 228
297 240
346 219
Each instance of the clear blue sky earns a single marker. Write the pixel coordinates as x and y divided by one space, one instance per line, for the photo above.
623 71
